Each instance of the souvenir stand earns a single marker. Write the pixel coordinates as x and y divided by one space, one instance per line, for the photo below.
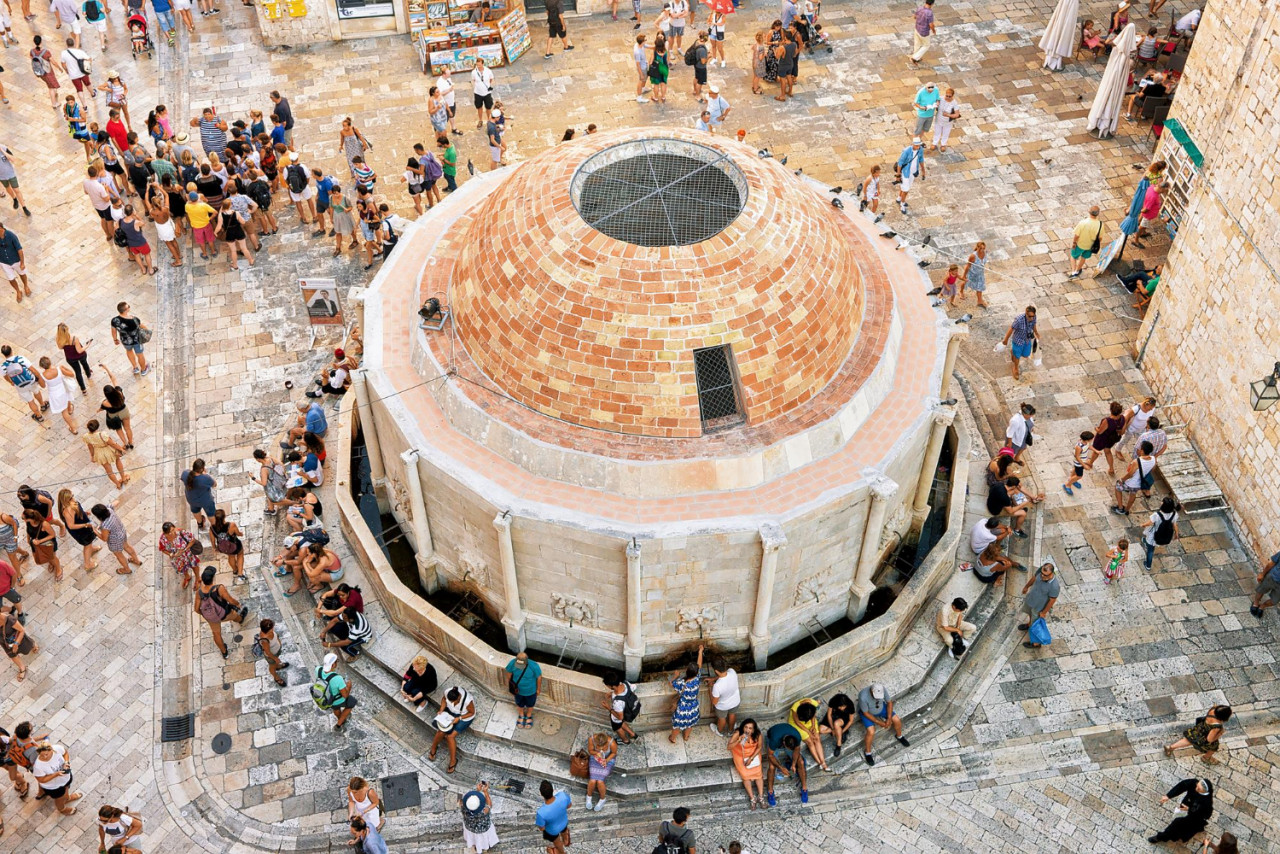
453 34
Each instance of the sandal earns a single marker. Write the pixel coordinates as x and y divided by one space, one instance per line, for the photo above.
451 768
71 811
22 674
432 756
1168 751
124 572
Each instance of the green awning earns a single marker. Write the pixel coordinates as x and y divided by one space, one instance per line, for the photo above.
1174 127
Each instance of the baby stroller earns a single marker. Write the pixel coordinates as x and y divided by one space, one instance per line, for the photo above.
140 35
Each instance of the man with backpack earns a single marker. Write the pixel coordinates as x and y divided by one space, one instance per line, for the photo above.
95 12
674 837
17 370
302 191
331 692
42 66
1086 239
1164 530
259 189
552 817
696 56
623 706
1137 478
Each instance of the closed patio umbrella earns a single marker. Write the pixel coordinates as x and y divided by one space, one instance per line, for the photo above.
1061 36
1104 115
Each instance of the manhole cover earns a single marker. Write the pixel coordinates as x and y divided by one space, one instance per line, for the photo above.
238 638
221 743
400 792
226 686
549 725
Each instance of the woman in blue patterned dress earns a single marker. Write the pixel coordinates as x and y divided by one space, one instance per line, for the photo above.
688 687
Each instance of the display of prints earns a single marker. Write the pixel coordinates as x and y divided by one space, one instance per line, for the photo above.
437 11
514 29
464 59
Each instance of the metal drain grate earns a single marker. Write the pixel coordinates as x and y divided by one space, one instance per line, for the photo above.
178 728
400 791
659 192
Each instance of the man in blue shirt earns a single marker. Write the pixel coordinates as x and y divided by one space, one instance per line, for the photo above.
910 166
926 107
324 184
553 817
526 682
164 14
316 422
782 759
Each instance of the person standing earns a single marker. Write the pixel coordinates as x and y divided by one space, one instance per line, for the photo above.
177 543
1195 811
10 580
76 355
948 112
226 540
351 143
1135 422
745 748
199 488
926 107
1267 593
1137 477
1107 435
1086 239
9 178
13 262
112 530
556 28
136 241
675 833
602 752
910 165
524 682
213 131
95 12
482 91
365 838
104 451
717 106
715 32
126 331
363 802
52 770
725 697
688 688
552 818
448 163
678 20
787 56
925 29
15 639
25 380
282 109
214 603
1018 433
445 83
1023 338
116 827
659 69
701 55
622 697
477 823
1041 592
58 390
493 131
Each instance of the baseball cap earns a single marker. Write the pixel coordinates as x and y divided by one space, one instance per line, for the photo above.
193 197
877 691
330 661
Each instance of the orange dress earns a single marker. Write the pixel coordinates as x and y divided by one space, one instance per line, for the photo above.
740 750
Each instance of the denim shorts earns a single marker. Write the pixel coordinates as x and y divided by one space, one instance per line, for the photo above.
133 348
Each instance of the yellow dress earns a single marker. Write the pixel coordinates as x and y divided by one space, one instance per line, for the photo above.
102 453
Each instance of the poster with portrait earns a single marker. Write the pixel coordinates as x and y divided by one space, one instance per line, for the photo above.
320 296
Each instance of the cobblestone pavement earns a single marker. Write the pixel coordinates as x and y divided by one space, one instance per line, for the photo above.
1062 750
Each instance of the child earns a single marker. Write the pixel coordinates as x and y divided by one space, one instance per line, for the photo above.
821 38
1116 559
1090 38
949 286
871 191
1079 462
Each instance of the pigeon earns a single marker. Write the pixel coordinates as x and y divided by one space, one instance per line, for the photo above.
857 191
765 153
877 219
783 161
923 265
928 238
471 167
964 318
836 203
935 303
836 190
799 171
934 292
889 235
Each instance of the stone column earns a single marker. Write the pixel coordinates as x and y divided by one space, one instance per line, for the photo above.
513 619
633 646
421 525
376 468
772 539
942 418
882 489
959 332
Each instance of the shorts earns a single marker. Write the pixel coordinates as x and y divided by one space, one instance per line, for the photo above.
204 234
182 5
721 714
905 184
557 29
484 101
617 725
677 30
144 249
11 183
923 124
866 721
28 392
1078 469
166 21
12 596
60 791
308 193
135 348
74 24
1121 486
551 837
321 207
716 37
416 189
101 25
1077 252
460 726
1268 588
12 271
700 74
1020 351
526 701
495 153
104 214
82 83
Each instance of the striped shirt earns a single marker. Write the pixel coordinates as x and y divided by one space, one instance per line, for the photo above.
212 137
1158 439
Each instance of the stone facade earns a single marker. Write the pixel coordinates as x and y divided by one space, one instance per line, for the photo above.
1218 306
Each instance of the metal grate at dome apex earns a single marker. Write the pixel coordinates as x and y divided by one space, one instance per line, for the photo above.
659 192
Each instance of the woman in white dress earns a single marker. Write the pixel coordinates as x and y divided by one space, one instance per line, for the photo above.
477 824
58 392
363 802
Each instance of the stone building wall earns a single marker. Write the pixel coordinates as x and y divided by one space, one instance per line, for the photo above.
1219 303
319 24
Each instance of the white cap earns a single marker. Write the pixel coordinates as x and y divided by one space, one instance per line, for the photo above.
330 661
915 140
877 691
496 113
714 88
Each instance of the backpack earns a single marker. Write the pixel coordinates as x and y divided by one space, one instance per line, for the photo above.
39 65
312 536
321 691
389 240
672 844
1148 477
296 177
1164 530
260 193
957 645
19 373
630 704
691 55
120 238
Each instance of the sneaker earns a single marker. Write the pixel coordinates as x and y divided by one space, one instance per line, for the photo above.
902 207
837 752
136 372
599 805
902 739
641 99
871 760
804 796
15 204
1256 611
25 211
1074 275
773 802
590 806
723 64
546 56
1022 535
716 730
570 47
146 370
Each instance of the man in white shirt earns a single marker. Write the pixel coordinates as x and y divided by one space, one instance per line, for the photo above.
1018 433
67 15
717 106
679 11
725 697
1188 23
985 532
482 90
77 63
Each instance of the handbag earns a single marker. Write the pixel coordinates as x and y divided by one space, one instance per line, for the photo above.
513 681
144 334
580 764
1039 632
957 645
256 649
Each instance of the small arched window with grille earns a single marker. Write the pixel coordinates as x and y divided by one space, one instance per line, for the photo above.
719 392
